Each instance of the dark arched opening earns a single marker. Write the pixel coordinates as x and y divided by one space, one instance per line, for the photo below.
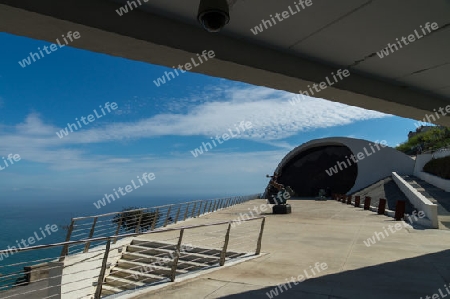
306 173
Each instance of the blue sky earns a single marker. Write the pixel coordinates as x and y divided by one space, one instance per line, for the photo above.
154 128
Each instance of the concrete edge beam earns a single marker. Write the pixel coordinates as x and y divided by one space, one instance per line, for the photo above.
418 200
130 37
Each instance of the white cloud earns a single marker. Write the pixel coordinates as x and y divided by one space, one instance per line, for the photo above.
272 116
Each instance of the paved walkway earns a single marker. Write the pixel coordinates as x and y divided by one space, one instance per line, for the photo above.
406 264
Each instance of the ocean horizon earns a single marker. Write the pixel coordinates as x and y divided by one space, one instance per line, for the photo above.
27 218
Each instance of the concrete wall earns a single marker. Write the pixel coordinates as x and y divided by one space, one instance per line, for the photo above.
419 201
423 159
441 153
379 164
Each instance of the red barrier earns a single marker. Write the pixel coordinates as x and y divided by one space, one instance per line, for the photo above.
381 206
357 201
349 200
400 210
367 201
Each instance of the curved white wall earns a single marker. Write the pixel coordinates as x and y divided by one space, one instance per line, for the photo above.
376 164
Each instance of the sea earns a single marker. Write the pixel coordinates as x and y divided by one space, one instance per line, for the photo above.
23 218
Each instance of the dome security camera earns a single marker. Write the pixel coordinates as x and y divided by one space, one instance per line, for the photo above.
213 14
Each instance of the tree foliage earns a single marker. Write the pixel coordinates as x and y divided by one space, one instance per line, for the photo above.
433 139
129 219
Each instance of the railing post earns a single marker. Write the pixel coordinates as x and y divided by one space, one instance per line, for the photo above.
367 203
138 226
218 204
349 200
206 207
101 277
200 208
210 206
173 272
155 219
91 234
178 213
65 250
223 254
381 206
167 216
193 210
215 205
258 245
186 212
357 201
228 202
118 227
400 210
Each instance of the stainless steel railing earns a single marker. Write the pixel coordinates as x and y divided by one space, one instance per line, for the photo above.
140 220
83 275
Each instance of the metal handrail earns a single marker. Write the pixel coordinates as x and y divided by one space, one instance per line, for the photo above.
101 276
162 211
136 210
160 230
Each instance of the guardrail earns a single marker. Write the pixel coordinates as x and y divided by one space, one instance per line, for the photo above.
140 220
83 275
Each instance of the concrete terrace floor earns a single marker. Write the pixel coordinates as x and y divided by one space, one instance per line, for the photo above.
411 263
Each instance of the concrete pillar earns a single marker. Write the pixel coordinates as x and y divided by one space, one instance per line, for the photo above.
55 279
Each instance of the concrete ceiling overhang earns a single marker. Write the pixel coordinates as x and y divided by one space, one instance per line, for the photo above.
304 49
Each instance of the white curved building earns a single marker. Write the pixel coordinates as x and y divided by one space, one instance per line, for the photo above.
341 165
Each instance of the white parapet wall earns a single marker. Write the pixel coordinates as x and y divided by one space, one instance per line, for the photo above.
420 162
418 200
436 181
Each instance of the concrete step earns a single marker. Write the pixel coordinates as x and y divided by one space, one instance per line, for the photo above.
199 258
149 250
110 290
172 247
153 269
123 283
149 259
196 257
191 266
154 244
135 275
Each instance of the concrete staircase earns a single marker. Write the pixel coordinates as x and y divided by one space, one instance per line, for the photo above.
436 196
136 267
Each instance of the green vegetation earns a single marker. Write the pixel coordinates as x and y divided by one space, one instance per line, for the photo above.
432 139
129 219
439 167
